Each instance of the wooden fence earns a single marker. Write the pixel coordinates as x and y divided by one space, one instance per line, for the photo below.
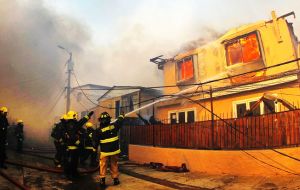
266 131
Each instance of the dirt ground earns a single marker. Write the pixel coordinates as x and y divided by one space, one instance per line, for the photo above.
138 177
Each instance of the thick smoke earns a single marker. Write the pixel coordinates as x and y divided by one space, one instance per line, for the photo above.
158 27
32 67
208 35
154 28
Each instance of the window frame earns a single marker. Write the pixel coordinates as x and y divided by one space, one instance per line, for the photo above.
185 114
177 69
260 46
247 101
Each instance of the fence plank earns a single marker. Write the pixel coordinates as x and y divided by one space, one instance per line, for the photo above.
271 130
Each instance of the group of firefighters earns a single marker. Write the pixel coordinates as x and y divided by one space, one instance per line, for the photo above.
3 135
77 140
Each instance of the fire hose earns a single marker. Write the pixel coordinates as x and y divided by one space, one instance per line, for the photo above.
13 181
48 169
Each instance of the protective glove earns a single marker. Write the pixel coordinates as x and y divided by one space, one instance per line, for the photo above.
91 113
77 142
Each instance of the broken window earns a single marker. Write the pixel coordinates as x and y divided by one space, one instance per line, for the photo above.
243 50
269 106
185 69
252 107
255 111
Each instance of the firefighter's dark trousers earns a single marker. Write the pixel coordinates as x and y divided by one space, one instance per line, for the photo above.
19 145
89 152
71 162
58 158
2 152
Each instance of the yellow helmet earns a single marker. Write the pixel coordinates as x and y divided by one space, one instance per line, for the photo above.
64 117
4 109
72 115
20 121
89 124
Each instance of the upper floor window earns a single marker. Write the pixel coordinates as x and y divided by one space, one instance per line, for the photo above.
244 49
185 69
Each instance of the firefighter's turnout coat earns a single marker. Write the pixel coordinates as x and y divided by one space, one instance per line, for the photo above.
109 138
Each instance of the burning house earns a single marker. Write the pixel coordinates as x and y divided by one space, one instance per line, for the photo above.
234 71
237 93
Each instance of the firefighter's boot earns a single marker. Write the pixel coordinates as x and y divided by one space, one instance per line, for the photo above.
116 181
102 183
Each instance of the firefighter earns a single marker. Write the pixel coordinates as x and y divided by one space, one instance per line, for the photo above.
57 134
72 139
3 132
20 135
109 146
89 149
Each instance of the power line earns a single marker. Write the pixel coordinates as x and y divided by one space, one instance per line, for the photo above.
148 100
82 105
251 137
201 83
195 93
57 100
82 90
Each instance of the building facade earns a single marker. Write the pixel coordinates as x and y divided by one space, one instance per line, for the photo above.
231 74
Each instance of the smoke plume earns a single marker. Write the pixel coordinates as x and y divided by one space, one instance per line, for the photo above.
32 67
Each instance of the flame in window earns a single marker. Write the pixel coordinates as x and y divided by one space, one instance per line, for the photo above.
243 50
185 69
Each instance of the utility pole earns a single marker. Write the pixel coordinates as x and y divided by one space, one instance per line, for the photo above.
70 65
212 118
70 69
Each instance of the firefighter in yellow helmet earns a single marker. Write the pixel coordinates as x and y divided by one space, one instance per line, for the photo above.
73 132
109 146
58 135
89 148
20 135
3 132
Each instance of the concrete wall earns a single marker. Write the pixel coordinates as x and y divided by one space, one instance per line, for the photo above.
220 161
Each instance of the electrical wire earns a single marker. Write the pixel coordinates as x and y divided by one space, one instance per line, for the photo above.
147 100
229 88
57 100
82 105
283 154
83 91
251 137
202 83
289 94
